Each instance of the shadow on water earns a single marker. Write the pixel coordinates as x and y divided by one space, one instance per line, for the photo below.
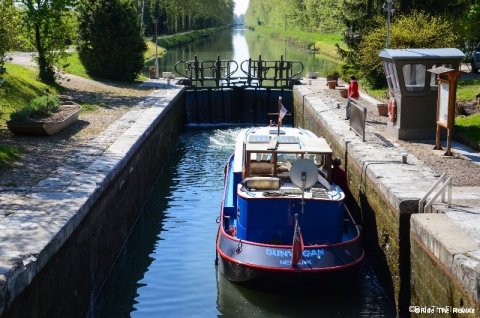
118 295
362 297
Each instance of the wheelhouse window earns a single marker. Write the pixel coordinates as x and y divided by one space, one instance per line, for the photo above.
391 74
278 164
414 76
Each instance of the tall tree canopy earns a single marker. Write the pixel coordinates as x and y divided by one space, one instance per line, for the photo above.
311 15
184 15
9 22
48 28
416 29
110 42
363 23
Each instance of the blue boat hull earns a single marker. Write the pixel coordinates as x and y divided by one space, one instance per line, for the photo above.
243 261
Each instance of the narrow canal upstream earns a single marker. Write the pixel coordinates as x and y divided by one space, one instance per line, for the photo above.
241 44
167 266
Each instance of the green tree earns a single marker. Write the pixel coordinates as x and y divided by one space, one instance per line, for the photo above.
48 28
471 22
323 15
415 30
184 15
358 17
9 22
110 41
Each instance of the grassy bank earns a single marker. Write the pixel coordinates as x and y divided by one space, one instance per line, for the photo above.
468 90
323 42
71 64
174 40
19 88
467 130
150 53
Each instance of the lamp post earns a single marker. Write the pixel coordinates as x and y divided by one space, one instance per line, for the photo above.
389 15
156 48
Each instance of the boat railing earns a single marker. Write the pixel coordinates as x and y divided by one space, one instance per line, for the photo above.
444 184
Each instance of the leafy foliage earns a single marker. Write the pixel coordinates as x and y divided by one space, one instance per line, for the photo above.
8 154
9 22
306 15
49 29
416 30
39 107
110 44
20 87
176 16
471 23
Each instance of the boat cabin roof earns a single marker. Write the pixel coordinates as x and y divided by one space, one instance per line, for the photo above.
288 139
268 140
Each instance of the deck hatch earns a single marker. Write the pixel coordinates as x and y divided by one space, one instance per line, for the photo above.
288 140
258 139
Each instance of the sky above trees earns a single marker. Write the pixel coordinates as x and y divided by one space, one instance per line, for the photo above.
241 6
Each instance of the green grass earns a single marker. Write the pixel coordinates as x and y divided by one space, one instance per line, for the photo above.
71 64
378 93
467 130
468 90
8 154
323 41
174 40
150 53
20 87
91 108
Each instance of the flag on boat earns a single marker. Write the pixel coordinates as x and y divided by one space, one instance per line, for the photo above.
282 111
297 246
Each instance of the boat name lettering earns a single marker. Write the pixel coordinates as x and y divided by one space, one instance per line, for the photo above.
318 253
289 262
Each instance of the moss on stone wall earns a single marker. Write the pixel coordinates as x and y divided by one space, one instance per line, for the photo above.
386 232
433 285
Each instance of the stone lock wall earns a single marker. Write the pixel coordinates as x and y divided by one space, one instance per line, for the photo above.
381 224
434 285
408 251
72 279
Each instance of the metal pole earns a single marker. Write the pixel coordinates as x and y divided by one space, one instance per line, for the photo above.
156 48
285 23
141 18
389 12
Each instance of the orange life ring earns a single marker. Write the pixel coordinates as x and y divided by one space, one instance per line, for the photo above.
392 110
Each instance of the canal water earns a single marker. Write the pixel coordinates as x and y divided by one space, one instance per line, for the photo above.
167 266
241 44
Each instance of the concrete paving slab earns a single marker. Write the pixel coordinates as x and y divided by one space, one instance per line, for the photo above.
443 237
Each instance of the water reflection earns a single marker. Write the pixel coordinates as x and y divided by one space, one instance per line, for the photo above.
240 49
239 45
